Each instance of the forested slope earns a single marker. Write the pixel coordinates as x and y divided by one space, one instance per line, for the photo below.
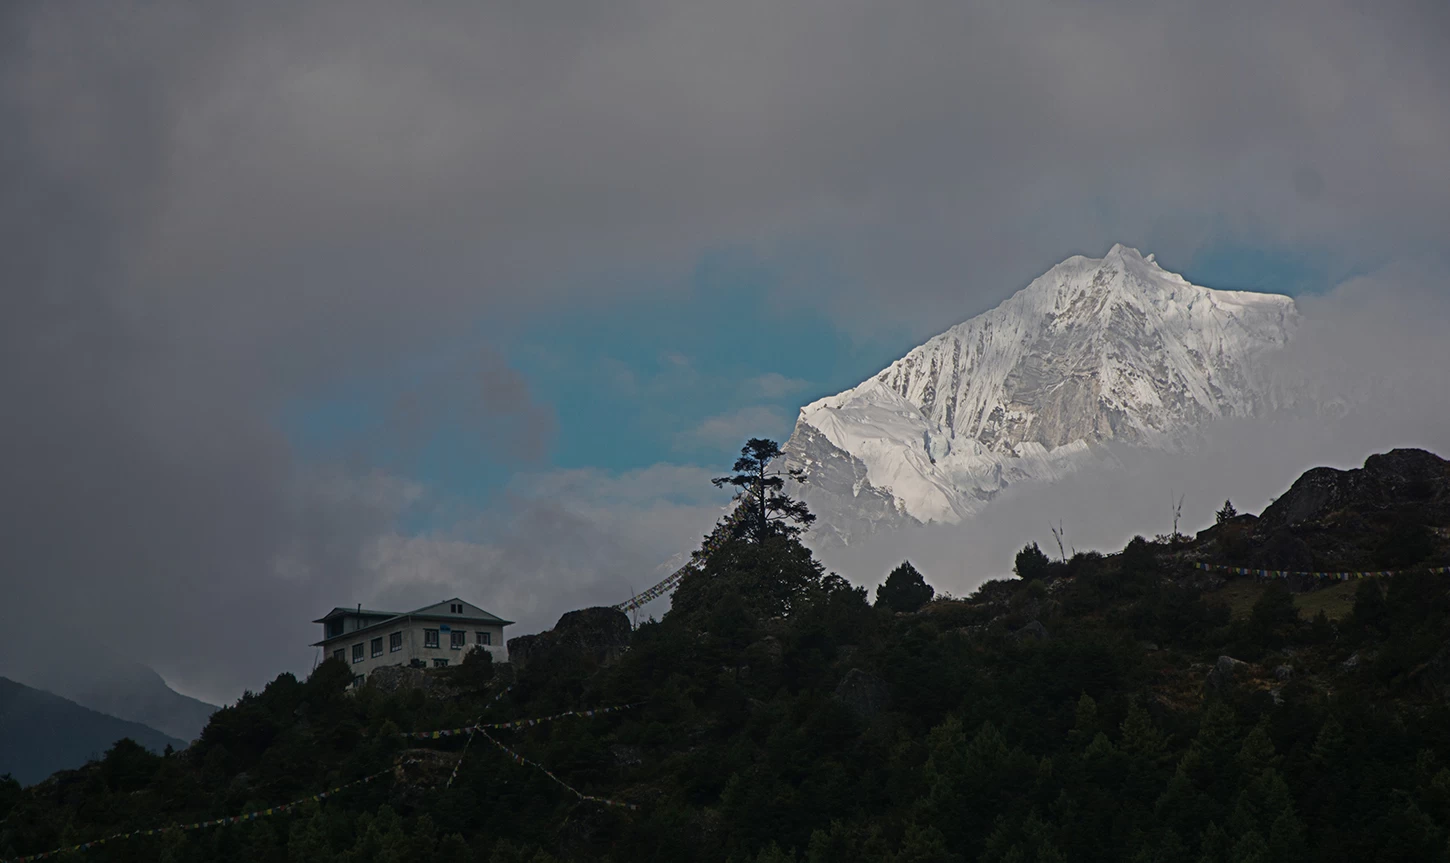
1135 706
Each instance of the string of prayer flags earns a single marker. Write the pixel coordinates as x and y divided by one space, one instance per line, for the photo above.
712 544
521 760
198 825
1331 576
469 730
459 763
478 727
655 592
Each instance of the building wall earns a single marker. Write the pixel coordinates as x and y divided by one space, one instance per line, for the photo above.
352 622
412 647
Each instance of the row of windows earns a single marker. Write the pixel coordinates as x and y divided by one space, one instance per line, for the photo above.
457 640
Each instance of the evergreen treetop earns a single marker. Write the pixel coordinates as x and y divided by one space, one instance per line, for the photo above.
904 589
767 511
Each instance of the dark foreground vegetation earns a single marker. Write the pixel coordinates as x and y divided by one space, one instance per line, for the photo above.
1127 707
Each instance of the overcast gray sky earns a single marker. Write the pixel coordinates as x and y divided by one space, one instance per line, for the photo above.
210 212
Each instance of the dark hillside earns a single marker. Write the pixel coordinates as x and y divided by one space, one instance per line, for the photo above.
1138 706
41 733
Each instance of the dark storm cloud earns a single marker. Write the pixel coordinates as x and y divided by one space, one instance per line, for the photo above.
210 212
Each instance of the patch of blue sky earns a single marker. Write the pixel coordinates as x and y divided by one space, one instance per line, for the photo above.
667 377
360 424
1231 265
1237 267
678 374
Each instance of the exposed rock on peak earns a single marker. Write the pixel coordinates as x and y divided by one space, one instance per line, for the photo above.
1095 350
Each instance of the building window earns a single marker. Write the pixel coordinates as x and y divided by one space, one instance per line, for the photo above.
377 646
395 642
357 681
456 607
357 652
484 637
440 663
340 655
457 640
430 638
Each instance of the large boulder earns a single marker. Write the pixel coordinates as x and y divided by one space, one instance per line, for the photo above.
865 694
1224 673
1032 630
1395 478
600 634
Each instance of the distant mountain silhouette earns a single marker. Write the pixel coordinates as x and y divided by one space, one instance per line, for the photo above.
41 733
122 688
136 693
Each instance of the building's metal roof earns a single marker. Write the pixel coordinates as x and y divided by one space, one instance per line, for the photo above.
394 617
366 612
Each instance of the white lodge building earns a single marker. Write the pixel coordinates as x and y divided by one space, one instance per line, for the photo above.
433 636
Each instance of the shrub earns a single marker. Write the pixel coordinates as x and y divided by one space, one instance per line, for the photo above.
1274 617
904 590
1032 563
1408 543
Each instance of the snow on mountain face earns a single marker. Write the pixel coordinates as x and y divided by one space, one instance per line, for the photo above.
1095 350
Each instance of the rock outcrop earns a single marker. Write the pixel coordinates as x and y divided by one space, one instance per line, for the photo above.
1393 513
1387 480
598 634
865 694
1224 673
400 678
1032 630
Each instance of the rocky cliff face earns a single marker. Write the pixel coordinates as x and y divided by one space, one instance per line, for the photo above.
1097 350
1393 513
1401 477
596 634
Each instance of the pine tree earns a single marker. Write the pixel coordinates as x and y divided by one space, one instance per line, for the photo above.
1257 753
923 845
1370 611
1228 512
904 590
1287 838
1170 848
1250 848
767 511
1274 616
1085 721
1213 845
1329 744
1140 737
772 853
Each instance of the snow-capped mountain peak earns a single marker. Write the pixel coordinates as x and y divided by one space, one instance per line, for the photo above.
1094 350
